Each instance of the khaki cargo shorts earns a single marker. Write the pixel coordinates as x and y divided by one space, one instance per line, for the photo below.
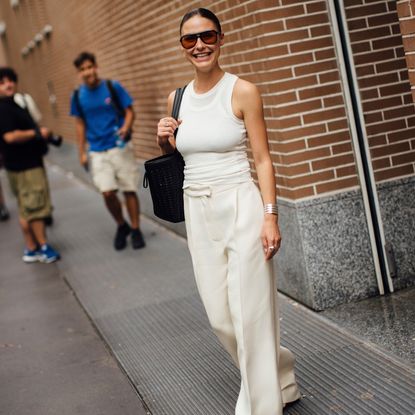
114 169
32 192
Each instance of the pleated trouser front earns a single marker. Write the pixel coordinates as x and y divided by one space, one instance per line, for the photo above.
237 287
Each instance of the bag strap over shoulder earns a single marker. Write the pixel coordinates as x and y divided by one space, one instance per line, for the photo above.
78 103
115 99
176 104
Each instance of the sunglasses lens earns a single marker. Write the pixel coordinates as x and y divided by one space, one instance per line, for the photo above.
210 37
188 41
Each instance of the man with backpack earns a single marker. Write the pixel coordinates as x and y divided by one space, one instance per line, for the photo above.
104 117
23 144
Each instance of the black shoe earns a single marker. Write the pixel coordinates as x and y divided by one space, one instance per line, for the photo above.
120 240
137 239
4 213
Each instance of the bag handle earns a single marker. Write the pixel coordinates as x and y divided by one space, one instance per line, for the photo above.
176 104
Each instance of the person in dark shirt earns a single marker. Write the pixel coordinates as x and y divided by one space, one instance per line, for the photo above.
23 145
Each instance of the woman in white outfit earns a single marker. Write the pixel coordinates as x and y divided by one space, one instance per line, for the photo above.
232 228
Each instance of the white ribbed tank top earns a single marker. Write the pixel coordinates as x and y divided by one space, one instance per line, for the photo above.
211 138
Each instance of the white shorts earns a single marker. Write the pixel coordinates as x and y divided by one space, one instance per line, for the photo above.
114 169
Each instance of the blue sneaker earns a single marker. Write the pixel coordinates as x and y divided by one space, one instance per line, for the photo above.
48 254
31 256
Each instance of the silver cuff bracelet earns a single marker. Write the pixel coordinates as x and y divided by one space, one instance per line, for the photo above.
271 208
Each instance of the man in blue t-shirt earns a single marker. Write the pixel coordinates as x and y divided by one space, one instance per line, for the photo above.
104 117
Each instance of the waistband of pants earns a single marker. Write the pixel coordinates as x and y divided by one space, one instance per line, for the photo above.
207 190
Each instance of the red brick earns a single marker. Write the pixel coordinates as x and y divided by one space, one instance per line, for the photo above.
394 173
346 171
395 89
310 179
329 77
333 101
312 44
378 140
403 9
405 134
382 103
407 26
300 107
320 31
379 80
389 149
316 19
324 54
317 67
319 91
393 65
338 125
303 132
404 158
370 34
289 147
382 20
332 162
337 185
326 115
379 128
374 57
305 155
342 148
366 10
316 7
295 170
327 139
379 164
399 112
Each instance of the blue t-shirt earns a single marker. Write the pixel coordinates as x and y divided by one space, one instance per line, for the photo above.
101 118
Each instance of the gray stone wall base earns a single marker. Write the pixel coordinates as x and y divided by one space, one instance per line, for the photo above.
325 258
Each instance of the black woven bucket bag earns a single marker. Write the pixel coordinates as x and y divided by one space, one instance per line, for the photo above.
164 175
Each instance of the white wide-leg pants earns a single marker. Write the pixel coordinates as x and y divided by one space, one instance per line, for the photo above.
237 287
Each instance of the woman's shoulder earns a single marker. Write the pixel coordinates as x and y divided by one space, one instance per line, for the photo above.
245 89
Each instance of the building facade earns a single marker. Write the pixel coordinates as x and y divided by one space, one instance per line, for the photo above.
335 78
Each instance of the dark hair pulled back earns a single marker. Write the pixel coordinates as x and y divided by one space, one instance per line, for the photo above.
207 14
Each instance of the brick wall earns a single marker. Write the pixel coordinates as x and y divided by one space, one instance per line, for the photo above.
406 13
284 46
385 89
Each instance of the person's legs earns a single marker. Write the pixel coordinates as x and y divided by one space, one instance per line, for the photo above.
31 189
30 241
115 208
264 370
133 208
113 204
37 228
210 266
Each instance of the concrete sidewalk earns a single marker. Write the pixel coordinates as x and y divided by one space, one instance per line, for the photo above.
145 305
52 360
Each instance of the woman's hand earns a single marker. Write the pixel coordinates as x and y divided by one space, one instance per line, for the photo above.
165 134
270 235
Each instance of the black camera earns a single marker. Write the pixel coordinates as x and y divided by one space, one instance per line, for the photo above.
55 140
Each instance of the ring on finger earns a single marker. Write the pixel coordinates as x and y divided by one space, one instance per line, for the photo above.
271 248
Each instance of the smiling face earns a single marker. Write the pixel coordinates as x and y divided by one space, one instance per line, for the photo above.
88 71
204 57
7 87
